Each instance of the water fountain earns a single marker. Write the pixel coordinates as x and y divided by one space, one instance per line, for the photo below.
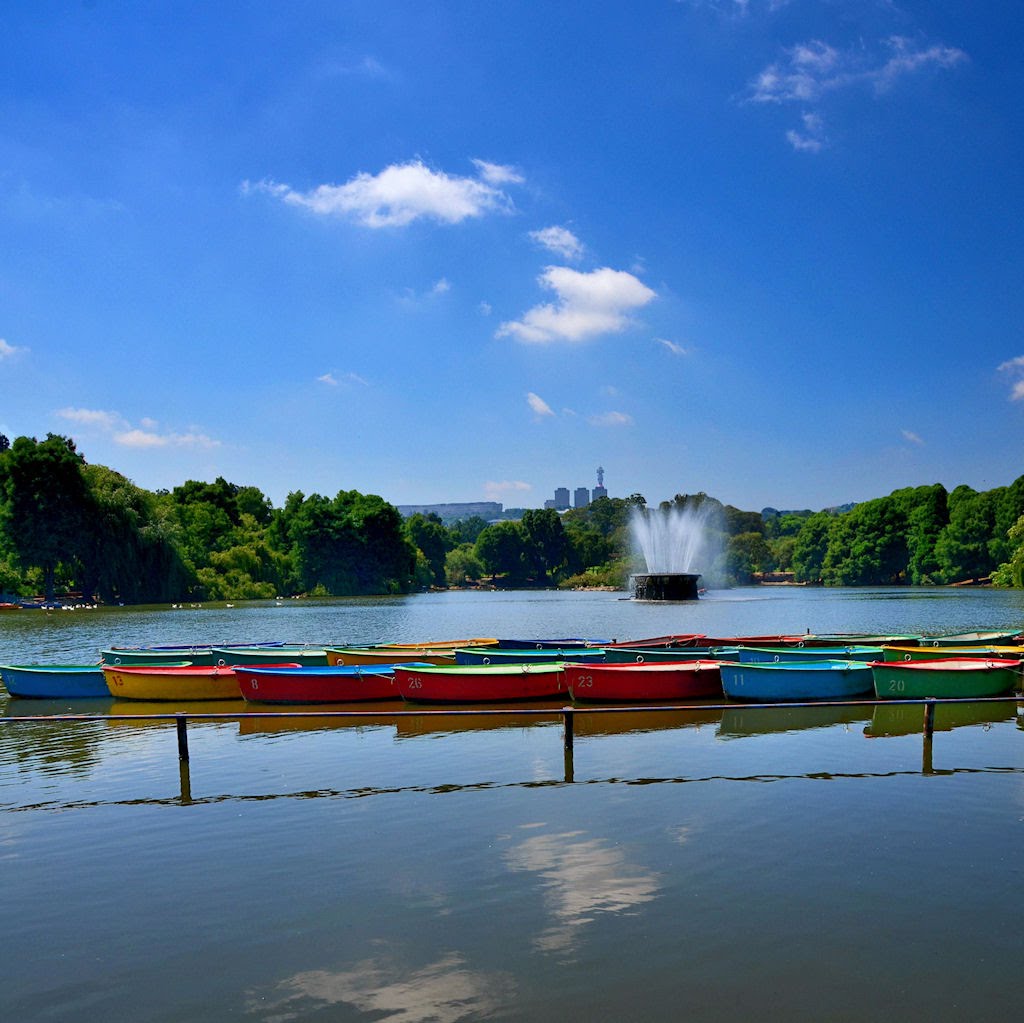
672 541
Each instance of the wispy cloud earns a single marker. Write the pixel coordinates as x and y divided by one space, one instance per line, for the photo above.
810 71
811 138
146 435
559 240
539 406
7 349
441 286
499 490
346 378
671 346
589 305
400 194
611 419
1015 369
498 173
911 437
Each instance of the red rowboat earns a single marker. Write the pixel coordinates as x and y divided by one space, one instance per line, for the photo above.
479 683
309 684
661 680
685 639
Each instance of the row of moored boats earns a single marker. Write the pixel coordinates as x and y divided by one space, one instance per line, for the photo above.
484 670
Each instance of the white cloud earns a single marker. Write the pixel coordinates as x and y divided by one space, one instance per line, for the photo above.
496 490
611 419
485 308
589 304
559 240
93 417
399 195
498 174
913 438
7 350
123 433
441 286
671 346
1015 367
538 404
145 439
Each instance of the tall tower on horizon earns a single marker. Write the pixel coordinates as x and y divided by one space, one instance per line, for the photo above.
599 490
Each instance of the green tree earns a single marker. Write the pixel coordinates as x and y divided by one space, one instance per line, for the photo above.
428 534
43 498
746 554
810 547
502 550
547 547
867 546
462 565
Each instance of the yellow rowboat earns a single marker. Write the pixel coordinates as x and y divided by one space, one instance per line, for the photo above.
196 682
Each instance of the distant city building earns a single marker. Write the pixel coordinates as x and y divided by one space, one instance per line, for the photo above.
549 503
599 490
581 497
561 498
453 512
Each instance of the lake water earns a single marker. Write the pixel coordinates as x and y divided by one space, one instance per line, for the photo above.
785 864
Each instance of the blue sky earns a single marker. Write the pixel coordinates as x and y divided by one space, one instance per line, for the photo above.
456 251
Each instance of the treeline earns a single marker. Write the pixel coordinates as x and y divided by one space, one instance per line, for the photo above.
69 526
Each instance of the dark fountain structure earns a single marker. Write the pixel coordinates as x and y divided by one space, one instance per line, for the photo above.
666 586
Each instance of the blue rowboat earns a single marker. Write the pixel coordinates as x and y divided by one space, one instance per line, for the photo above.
796 680
493 655
777 655
55 681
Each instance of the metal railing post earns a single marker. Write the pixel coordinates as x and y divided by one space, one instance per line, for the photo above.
182 725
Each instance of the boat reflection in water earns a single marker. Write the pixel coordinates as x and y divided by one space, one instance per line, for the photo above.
298 718
908 718
738 722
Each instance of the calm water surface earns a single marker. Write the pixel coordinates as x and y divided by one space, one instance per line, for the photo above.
820 864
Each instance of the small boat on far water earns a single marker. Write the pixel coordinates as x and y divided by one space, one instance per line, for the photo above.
55 681
479 683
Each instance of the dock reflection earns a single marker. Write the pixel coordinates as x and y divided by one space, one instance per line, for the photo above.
741 722
908 719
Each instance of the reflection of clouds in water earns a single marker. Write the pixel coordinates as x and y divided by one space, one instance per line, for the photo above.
584 877
681 833
442 992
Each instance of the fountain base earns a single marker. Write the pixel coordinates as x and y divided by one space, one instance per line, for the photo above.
665 586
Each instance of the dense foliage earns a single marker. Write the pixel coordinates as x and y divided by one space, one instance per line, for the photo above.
68 526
